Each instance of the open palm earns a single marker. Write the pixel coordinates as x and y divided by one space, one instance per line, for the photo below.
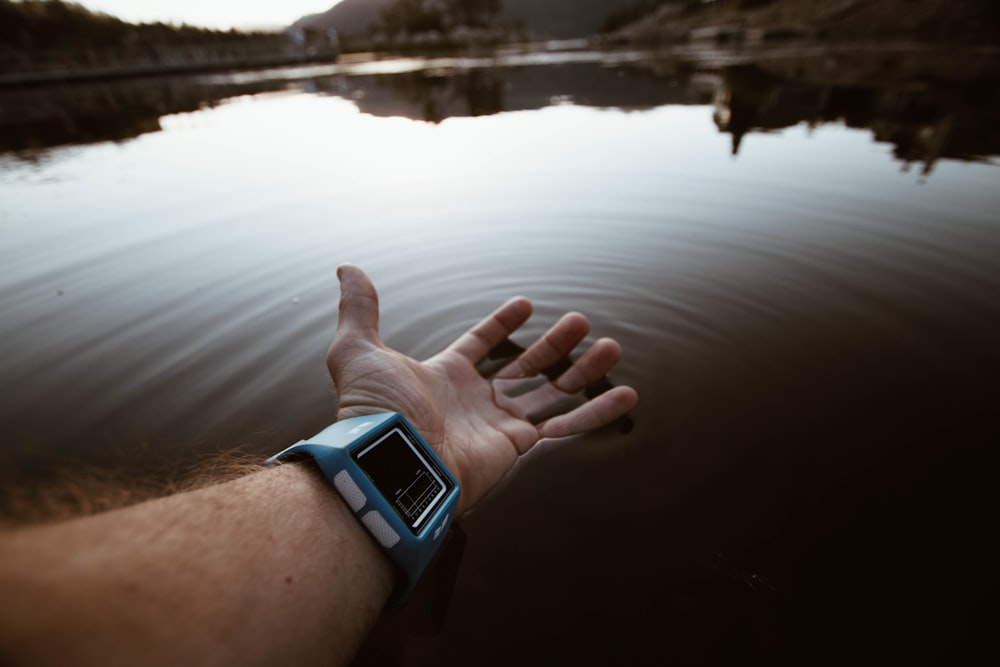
479 427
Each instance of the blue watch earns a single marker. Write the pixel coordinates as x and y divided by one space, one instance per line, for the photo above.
392 481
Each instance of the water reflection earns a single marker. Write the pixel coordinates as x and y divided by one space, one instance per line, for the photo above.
33 118
435 95
926 120
928 107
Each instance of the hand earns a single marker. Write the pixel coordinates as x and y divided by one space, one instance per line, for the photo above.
476 428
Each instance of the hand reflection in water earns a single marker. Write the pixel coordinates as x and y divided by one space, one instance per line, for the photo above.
478 426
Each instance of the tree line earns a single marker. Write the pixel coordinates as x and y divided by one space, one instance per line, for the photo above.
42 39
47 25
411 17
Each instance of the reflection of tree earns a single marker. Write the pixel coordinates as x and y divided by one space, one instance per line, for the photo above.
950 115
474 92
434 94
108 111
924 121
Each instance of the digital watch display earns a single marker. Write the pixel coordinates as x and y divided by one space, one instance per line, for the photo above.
393 482
412 484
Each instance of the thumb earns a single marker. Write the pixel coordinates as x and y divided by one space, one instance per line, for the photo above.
358 304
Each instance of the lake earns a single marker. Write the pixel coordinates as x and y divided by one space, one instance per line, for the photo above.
799 252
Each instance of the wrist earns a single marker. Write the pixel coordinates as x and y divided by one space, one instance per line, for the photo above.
392 481
357 552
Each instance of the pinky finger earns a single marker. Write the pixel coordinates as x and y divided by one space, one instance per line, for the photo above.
593 414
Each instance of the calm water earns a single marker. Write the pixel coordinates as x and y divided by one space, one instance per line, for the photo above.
800 257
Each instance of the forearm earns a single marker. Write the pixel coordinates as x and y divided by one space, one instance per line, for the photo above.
271 568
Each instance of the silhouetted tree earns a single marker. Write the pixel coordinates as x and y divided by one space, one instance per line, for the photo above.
410 17
475 13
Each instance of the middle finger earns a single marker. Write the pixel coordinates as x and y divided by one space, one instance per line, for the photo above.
553 346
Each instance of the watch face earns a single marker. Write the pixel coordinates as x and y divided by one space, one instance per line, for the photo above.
405 476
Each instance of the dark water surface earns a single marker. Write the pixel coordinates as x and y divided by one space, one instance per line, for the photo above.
800 256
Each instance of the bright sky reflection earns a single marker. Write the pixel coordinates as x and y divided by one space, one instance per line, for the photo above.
424 166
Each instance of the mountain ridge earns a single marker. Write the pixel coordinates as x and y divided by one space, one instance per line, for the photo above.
559 19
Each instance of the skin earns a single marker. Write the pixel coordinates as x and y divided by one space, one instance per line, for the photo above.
476 429
272 568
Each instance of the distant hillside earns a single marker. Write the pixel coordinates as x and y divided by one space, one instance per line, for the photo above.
958 21
51 40
349 17
564 19
559 19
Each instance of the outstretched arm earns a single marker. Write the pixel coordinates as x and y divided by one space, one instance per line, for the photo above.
272 568
269 569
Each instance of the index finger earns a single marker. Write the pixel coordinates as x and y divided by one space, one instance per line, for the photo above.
476 343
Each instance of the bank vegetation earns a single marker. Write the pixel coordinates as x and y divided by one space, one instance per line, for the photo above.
52 39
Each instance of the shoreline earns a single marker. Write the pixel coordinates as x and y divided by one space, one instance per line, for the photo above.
49 77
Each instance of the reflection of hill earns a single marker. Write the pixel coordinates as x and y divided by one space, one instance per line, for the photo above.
929 107
925 117
481 91
108 111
